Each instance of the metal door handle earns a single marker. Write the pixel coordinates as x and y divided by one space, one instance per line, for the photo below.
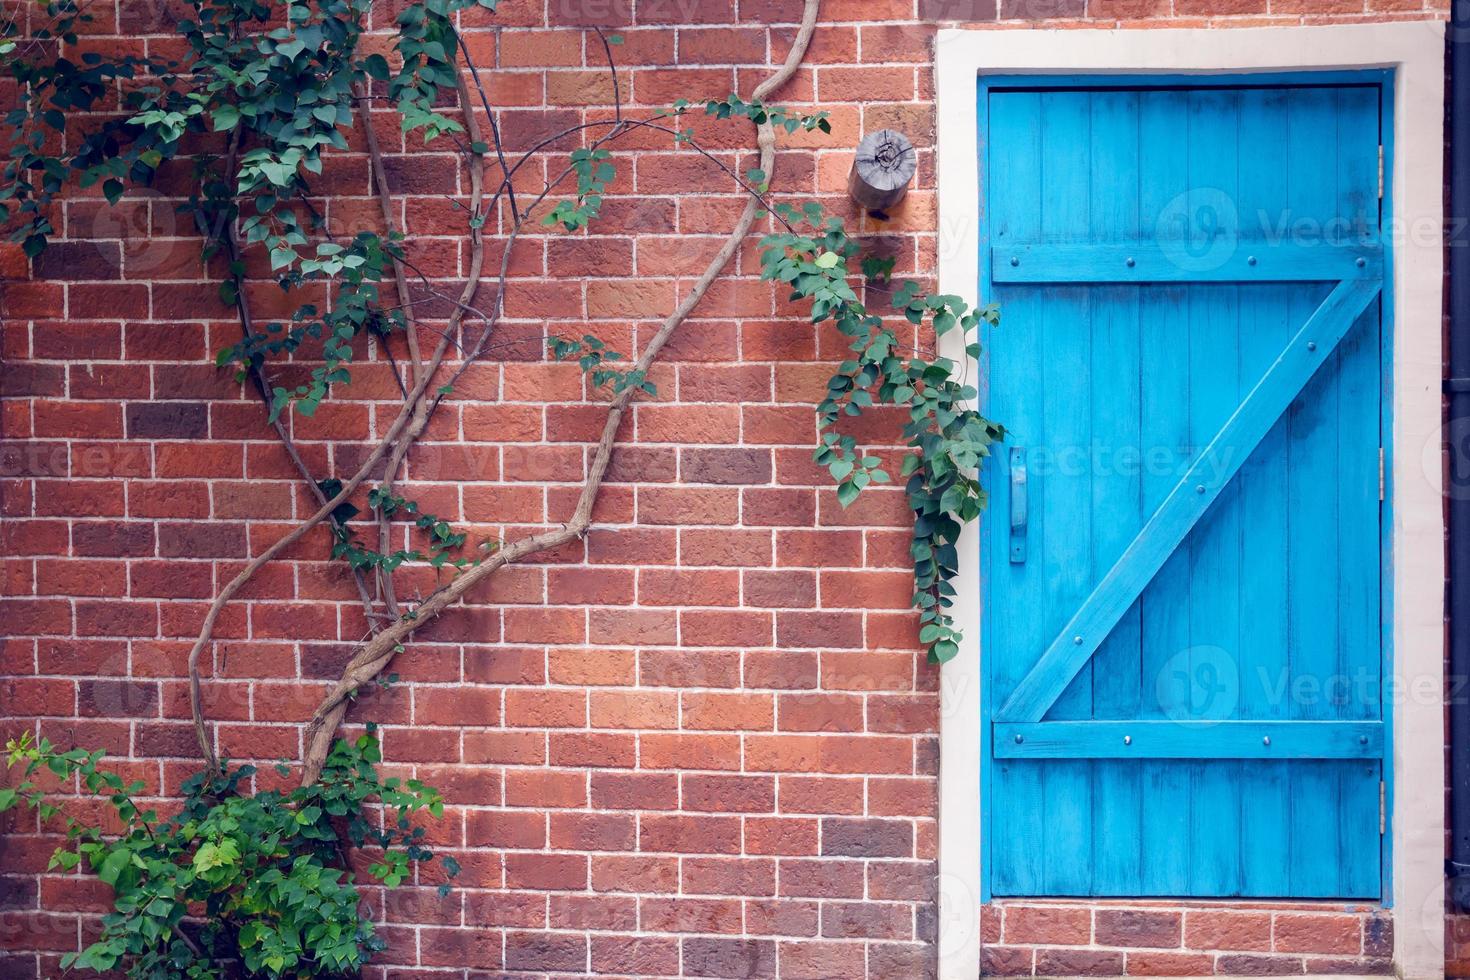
1018 504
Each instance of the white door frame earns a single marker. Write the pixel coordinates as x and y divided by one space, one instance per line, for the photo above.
1415 51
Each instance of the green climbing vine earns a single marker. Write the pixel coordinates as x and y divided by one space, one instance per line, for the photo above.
263 876
273 101
261 97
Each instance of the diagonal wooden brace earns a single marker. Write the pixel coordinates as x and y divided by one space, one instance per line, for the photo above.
1188 501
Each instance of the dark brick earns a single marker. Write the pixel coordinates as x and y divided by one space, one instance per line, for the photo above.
167 741
734 958
867 838
545 951
1133 927
215 540
21 379
168 420
1378 936
96 539
80 260
34 459
1078 963
1238 965
117 698
970 10
1005 961
16 893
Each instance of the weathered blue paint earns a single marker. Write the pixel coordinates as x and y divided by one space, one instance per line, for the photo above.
1236 739
1195 390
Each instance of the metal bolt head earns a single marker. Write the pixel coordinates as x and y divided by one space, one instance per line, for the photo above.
1077 639
1019 738
1251 260
1362 262
1015 261
1130 262
1362 739
1200 488
1265 739
1127 739
1311 345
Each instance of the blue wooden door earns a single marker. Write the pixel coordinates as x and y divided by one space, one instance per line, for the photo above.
1183 643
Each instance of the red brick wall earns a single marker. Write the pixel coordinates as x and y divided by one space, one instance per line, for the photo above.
701 744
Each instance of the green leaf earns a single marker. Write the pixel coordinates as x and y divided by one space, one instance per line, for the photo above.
225 117
113 865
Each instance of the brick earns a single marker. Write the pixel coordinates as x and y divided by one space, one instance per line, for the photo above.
729 794
593 832
910 881
781 835
735 958
1135 927
1079 963
1006 961
553 872
636 955
689 834
636 874
1156 964
1247 965
867 920
635 791
1210 929
1318 933
728 711
545 787
819 713
593 912
867 838
1047 924
544 951
707 915
823 961
167 420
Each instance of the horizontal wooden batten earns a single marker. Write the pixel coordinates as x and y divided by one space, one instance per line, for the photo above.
1248 261
1189 740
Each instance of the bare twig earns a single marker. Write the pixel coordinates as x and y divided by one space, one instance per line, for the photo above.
379 651
423 407
385 200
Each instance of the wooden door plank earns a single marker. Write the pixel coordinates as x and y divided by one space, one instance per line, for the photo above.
1234 739
1264 331
1143 261
1311 165
1358 541
1067 395
1164 380
1202 483
1213 544
1117 502
1015 831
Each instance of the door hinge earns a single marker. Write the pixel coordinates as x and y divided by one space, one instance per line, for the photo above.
1382 807
1380 171
1382 475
